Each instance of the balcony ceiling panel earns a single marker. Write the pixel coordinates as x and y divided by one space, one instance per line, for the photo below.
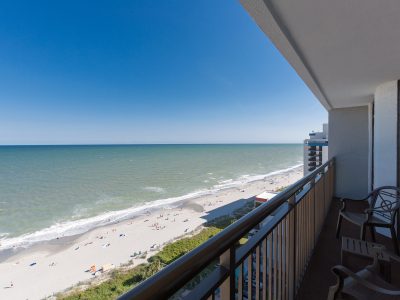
342 49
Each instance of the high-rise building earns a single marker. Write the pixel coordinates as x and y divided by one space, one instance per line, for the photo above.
316 150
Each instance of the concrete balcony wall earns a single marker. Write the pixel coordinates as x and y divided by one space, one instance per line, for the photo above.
349 144
385 135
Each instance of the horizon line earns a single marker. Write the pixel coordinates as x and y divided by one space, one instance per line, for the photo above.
154 144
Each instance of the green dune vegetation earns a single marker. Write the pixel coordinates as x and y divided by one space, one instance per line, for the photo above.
125 278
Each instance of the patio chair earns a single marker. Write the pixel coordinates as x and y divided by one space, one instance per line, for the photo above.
365 284
383 205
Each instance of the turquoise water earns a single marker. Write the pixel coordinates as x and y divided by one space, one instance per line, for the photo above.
47 191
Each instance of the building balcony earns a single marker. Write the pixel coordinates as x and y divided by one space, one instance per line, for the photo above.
272 264
315 150
315 158
288 257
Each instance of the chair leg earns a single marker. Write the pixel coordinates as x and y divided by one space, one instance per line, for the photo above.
394 240
362 235
372 230
339 225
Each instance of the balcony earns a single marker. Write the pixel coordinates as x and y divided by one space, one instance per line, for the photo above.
327 253
298 244
272 264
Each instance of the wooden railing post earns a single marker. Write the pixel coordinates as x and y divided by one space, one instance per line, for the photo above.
312 190
333 166
325 194
227 260
292 255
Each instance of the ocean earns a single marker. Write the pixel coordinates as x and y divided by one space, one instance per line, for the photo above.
51 191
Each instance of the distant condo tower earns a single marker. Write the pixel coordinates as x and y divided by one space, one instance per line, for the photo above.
316 150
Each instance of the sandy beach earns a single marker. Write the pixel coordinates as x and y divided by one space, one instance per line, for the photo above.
47 268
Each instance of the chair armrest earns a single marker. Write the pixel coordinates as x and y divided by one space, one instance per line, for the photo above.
341 272
379 210
345 200
392 256
354 200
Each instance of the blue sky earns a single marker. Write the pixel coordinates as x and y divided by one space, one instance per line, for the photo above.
76 72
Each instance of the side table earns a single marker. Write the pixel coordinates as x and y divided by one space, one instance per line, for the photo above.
357 254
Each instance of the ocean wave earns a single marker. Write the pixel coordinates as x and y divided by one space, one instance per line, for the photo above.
225 181
3 235
246 178
155 189
70 228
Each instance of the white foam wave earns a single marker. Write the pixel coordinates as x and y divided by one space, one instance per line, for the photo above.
155 189
75 227
249 178
225 181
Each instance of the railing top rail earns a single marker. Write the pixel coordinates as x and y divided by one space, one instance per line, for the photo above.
174 276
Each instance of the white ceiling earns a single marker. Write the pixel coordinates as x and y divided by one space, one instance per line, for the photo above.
343 49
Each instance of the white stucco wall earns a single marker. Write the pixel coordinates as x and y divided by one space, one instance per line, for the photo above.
385 135
349 144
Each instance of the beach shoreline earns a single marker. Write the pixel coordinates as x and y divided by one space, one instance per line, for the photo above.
52 266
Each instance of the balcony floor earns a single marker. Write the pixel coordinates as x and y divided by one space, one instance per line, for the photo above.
318 277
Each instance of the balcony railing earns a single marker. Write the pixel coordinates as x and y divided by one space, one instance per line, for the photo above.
270 265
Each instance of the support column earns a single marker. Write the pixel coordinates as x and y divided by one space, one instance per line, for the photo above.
349 144
386 141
